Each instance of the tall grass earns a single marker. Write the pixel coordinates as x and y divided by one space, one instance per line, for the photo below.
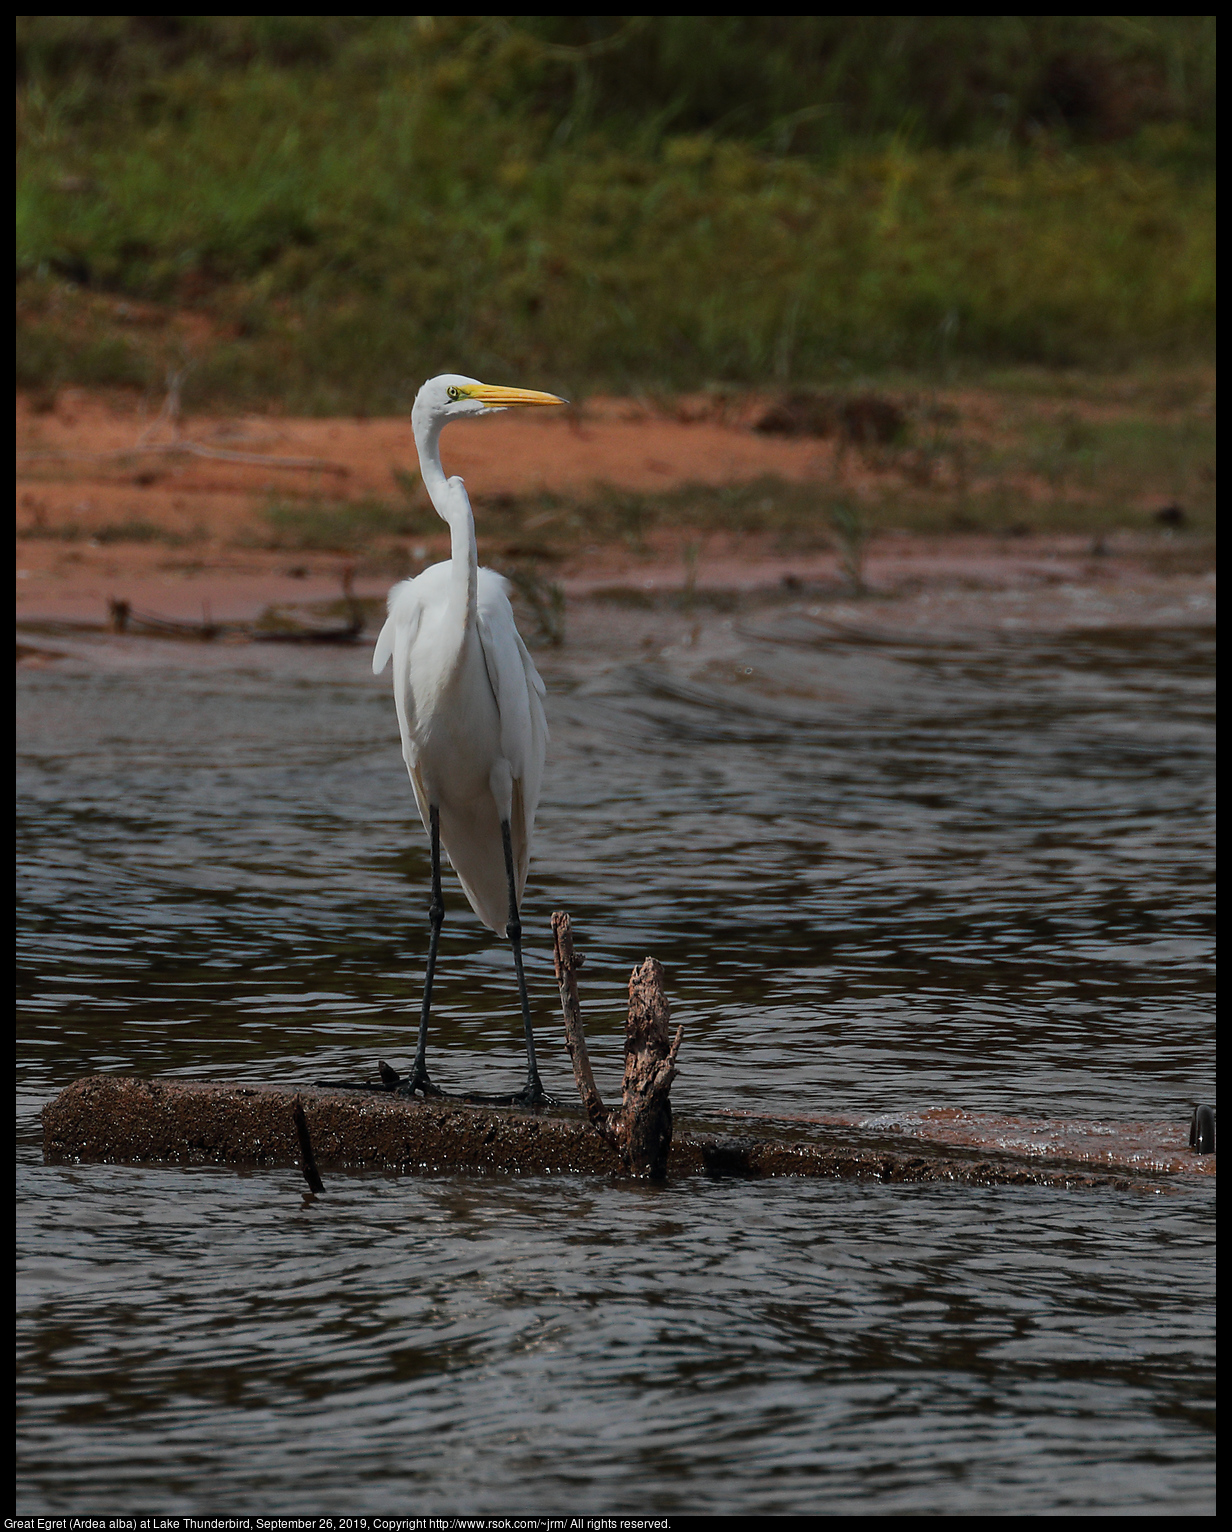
343 206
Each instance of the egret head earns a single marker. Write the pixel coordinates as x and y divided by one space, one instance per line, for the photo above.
454 397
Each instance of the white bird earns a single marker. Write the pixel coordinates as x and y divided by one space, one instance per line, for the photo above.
474 736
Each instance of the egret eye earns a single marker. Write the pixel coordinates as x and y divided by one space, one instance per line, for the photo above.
454 393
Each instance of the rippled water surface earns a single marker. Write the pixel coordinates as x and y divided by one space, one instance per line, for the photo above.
882 879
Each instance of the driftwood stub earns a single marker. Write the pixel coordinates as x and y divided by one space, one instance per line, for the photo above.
640 1129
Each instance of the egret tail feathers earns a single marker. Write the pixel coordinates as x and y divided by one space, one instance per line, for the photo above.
384 647
472 842
405 609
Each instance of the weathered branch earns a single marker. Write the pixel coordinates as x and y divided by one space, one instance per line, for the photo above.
575 1036
640 1130
650 1068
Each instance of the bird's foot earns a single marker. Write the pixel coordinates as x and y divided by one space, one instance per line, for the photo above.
390 1083
400 1085
531 1094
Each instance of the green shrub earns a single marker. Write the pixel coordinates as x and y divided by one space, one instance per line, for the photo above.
354 203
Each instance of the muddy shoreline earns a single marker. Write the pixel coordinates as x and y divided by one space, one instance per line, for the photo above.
110 509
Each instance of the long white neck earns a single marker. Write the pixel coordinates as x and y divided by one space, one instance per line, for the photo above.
453 506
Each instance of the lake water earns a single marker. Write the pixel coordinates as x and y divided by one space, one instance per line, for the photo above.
882 878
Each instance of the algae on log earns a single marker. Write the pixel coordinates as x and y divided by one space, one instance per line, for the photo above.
191 1122
120 1120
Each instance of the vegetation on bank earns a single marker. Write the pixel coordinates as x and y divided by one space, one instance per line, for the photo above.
1093 466
1025 453
318 212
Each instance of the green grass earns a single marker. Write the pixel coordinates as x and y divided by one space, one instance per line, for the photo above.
1110 477
314 525
322 211
138 530
135 530
1049 464
807 84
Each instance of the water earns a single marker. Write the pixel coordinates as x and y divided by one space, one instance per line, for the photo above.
883 878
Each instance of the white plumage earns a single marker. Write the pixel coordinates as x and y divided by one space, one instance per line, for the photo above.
470 710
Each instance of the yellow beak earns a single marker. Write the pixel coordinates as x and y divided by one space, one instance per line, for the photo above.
498 398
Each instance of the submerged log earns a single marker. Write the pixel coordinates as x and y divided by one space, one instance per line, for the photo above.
117 1119
121 1120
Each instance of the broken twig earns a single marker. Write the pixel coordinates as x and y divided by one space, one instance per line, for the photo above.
575 1036
640 1131
307 1160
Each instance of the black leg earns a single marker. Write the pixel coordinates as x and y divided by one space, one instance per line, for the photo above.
419 1079
533 1094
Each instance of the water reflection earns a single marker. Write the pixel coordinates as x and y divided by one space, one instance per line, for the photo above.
882 878
978 879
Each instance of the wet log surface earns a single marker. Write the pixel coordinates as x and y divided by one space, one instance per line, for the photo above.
120 1119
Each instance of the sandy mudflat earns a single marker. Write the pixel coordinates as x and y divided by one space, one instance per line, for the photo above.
84 467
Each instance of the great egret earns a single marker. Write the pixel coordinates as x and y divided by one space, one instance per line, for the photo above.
468 695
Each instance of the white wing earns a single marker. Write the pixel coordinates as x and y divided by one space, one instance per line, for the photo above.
405 607
517 687
396 639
